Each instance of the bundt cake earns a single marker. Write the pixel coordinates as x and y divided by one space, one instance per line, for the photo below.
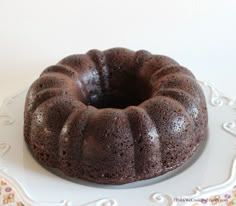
115 116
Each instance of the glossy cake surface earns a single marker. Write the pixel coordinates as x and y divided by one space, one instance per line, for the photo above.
115 116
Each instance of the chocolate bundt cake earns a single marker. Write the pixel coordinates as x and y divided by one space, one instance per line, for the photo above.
115 116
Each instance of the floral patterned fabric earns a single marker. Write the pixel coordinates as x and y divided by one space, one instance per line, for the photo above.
8 195
226 199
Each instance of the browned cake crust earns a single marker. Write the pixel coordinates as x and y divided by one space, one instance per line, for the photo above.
115 116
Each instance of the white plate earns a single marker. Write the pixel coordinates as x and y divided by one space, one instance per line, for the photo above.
211 172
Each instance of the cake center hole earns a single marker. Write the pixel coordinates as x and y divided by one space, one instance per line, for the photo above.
120 94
